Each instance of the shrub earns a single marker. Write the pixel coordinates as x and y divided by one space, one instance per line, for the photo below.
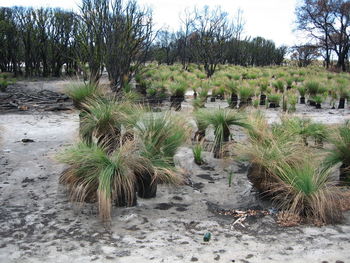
278 85
198 103
307 191
3 85
263 84
274 98
292 100
178 89
303 128
302 91
104 120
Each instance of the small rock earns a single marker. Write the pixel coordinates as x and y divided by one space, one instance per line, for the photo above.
25 140
193 259
27 180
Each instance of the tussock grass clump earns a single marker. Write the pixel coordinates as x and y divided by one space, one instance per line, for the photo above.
197 150
306 190
283 168
221 120
340 153
108 120
94 173
302 129
161 135
80 93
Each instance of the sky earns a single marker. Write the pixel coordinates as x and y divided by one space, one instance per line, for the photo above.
271 19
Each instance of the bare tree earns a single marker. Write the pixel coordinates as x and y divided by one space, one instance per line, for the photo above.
184 37
211 31
327 23
238 25
128 38
94 15
304 54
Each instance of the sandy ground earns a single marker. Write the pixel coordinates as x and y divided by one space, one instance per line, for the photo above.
39 224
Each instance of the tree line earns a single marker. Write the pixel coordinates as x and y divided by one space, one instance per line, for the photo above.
119 36
208 37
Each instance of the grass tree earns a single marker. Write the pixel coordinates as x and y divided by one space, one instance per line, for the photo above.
202 124
108 121
340 153
95 174
221 120
197 151
306 190
288 172
232 88
81 93
160 136
245 95
312 88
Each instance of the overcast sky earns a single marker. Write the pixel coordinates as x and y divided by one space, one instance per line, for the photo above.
271 19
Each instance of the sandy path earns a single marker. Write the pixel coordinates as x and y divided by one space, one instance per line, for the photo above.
38 224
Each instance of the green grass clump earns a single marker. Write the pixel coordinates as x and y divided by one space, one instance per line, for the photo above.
95 174
245 92
178 89
80 93
340 152
290 173
312 87
274 98
197 153
221 120
161 135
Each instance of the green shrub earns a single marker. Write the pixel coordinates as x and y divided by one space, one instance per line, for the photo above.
302 91
278 85
340 152
289 172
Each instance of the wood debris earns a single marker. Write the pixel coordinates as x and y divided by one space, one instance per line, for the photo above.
21 99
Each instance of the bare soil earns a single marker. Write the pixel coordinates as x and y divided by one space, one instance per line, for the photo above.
39 224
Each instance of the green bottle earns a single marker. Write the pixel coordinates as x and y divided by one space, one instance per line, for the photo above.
207 237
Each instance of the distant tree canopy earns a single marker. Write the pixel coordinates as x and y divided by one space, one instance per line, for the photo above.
207 37
118 36
43 39
104 34
327 23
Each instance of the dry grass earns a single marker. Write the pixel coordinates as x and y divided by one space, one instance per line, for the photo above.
288 219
